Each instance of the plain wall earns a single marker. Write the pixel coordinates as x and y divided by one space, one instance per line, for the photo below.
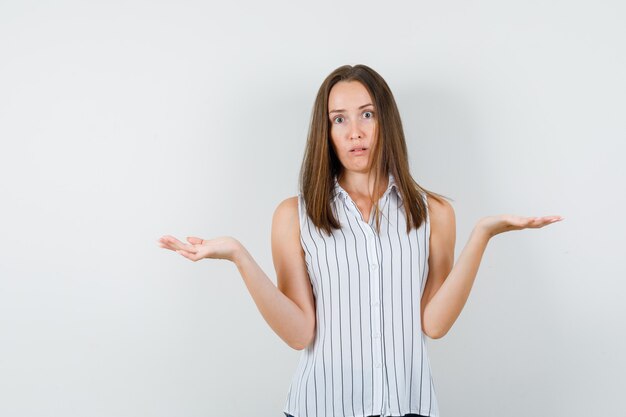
124 121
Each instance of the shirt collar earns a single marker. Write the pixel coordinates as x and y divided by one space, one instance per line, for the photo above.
339 191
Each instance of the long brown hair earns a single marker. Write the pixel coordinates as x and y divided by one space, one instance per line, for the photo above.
320 163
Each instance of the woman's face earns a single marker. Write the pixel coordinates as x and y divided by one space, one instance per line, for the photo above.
352 124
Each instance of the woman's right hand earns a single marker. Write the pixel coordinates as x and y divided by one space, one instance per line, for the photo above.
225 247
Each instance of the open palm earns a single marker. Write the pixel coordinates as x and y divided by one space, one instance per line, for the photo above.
197 248
494 225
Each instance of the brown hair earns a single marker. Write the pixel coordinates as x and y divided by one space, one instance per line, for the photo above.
320 163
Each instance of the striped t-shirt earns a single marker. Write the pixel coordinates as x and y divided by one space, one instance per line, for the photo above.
369 353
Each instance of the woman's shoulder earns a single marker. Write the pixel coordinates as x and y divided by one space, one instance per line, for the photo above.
442 223
288 203
287 209
439 210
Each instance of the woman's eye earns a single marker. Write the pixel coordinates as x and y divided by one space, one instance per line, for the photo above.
368 114
338 119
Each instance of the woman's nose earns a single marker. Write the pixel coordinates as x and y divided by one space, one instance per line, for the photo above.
355 130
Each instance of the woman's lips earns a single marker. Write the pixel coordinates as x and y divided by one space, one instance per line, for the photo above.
358 151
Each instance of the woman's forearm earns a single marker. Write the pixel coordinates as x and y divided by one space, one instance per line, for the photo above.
283 315
445 306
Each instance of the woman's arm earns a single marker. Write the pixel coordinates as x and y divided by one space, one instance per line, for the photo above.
448 288
289 309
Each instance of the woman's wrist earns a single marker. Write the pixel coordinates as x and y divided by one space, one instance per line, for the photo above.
239 253
482 231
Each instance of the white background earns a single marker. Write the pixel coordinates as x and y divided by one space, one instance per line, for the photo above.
124 121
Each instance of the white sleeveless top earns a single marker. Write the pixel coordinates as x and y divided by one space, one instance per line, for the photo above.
369 354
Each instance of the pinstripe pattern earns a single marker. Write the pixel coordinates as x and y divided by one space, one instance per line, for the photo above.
369 354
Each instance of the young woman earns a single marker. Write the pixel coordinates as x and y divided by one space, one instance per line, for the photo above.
364 259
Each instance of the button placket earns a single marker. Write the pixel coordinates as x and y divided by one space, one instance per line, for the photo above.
377 348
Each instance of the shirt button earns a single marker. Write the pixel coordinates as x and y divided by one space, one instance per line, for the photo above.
378 365
375 304
376 335
374 266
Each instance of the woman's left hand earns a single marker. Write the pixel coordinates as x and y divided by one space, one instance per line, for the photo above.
494 225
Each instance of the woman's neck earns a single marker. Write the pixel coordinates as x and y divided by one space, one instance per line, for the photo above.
361 184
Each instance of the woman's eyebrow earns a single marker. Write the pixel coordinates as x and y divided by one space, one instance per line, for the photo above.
342 110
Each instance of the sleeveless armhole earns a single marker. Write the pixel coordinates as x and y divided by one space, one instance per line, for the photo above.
427 243
425 197
301 209
427 218
302 215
